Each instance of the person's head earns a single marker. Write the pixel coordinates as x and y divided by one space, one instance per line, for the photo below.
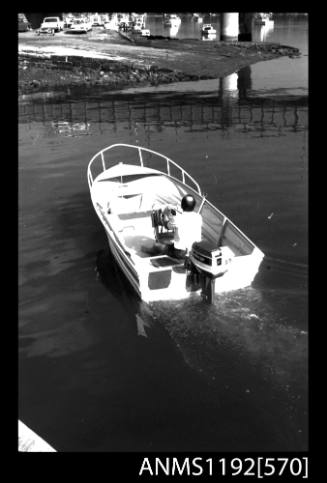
188 203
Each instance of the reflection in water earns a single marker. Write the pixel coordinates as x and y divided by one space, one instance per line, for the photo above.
228 86
267 118
232 105
244 82
71 128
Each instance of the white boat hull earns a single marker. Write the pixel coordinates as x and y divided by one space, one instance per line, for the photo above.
159 277
240 275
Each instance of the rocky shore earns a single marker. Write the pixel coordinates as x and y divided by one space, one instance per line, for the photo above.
50 63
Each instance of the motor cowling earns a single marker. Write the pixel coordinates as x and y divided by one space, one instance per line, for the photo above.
212 260
206 263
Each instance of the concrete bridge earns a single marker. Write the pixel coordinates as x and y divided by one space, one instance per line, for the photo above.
236 26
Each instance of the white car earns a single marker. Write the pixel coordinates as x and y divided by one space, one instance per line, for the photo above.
52 23
80 25
145 33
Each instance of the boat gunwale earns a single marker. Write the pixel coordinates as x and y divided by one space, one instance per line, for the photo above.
225 218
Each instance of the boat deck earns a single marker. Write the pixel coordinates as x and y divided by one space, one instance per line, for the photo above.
137 235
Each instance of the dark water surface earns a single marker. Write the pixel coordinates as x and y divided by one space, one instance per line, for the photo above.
231 376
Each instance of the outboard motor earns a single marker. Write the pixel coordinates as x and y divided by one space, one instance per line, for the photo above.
208 262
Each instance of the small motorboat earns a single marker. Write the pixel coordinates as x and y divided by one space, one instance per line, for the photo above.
131 189
208 29
80 25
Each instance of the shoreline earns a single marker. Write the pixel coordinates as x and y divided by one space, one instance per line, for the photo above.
108 59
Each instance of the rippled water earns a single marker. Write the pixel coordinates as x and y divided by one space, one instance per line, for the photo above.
231 376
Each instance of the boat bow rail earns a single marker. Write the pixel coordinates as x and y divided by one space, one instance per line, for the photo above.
110 156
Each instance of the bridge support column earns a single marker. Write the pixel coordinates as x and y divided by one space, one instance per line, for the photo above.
229 26
245 24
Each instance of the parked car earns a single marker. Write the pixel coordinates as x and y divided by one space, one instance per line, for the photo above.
23 24
52 23
145 32
68 21
80 25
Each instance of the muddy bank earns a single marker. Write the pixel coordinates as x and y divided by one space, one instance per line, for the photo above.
36 75
64 61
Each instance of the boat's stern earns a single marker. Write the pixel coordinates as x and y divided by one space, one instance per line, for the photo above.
165 280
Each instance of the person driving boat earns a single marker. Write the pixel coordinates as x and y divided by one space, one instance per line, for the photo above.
187 227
